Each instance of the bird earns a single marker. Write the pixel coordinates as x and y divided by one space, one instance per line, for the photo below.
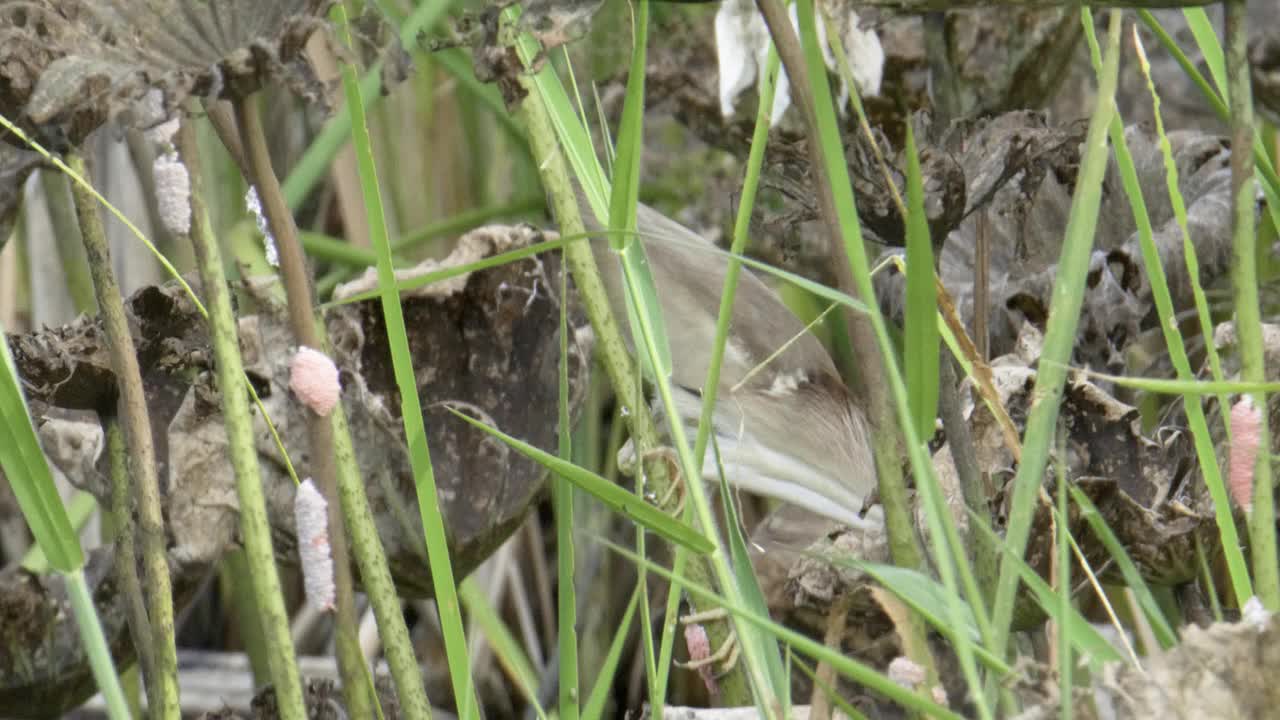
786 425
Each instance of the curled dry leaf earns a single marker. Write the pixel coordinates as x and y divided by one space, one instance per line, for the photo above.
70 65
1141 485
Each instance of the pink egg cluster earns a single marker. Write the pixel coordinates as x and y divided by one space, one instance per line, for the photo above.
314 379
1246 428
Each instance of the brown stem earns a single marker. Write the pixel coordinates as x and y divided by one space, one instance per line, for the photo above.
302 321
825 678
223 121
982 286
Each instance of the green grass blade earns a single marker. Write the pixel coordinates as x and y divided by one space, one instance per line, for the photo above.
1062 545
1207 456
922 345
95 645
593 708
1060 333
410 404
1132 577
315 162
562 500
949 553
1208 41
642 294
465 220
1207 38
435 276
1189 388
80 509
1086 639
575 143
506 648
666 646
1179 207
766 646
618 499
28 473
833 697
1250 344
932 601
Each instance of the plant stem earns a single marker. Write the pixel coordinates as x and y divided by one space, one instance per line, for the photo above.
375 574
135 419
255 530
1059 338
126 545
1244 277
66 236
986 559
95 645
302 321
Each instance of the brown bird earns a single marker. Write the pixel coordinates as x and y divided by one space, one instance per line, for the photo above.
788 429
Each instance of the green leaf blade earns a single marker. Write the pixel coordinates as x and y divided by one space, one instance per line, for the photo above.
922 340
24 464
617 498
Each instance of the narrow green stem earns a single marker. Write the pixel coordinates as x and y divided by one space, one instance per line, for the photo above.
136 421
1210 469
302 321
95 645
1059 339
375 575
126 546
562 501
1063 547
870 385
255 529
1244 277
